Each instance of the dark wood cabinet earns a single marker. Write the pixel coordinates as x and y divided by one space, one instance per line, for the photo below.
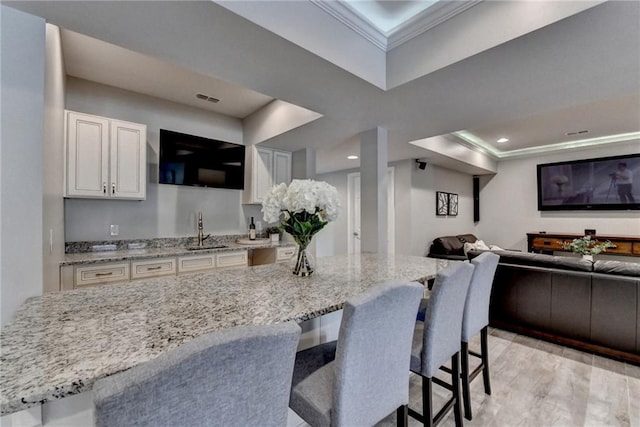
550 242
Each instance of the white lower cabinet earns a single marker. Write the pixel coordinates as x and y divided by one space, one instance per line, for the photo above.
96 274
285 254
153 268
232 259
196 263
77 276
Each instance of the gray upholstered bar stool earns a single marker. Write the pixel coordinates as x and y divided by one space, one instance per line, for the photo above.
234 377
366 382
476 320
437 339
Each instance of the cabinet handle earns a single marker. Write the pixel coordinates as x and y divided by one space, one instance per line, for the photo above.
158 267
113 188
104 188
104 274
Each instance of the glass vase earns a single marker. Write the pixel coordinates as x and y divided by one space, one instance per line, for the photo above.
302 263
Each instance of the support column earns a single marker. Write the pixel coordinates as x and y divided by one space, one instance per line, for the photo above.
373 190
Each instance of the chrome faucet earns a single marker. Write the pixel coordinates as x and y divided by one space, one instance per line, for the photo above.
201 237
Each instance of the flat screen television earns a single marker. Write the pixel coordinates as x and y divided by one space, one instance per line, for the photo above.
608 183
200 162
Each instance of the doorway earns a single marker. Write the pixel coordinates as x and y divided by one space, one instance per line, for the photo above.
354 214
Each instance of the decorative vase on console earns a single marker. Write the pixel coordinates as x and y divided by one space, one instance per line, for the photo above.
587 247
303 208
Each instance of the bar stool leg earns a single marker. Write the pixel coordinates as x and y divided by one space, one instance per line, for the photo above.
427 404
464 355
455 383
485 360
403 416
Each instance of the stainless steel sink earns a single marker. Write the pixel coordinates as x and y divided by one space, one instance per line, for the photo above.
203 248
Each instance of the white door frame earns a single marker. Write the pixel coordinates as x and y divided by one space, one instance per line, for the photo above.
391 211
351 179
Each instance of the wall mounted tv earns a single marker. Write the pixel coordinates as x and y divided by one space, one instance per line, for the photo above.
608 183
201 162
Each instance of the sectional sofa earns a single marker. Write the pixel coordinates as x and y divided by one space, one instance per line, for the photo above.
570 301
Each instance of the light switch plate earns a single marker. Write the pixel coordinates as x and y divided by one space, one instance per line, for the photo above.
114 229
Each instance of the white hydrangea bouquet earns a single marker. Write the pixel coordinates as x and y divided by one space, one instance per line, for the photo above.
303 208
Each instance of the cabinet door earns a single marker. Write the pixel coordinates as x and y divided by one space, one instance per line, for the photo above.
262 173
87 160
128 160
196 263
281 167
101 273
285 254
232 259
153 268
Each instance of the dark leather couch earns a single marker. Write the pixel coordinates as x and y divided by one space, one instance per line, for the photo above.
571 301
450 247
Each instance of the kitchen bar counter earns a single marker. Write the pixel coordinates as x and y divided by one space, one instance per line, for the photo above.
60 343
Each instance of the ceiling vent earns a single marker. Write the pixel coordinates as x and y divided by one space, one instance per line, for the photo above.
207 98
580 132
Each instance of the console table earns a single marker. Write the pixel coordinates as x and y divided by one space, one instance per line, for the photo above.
550 242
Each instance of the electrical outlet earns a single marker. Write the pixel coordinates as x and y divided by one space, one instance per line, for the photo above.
114 229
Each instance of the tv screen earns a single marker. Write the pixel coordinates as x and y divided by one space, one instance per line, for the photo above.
201 162
592 184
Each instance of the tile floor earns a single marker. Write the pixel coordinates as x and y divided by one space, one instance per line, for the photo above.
536 383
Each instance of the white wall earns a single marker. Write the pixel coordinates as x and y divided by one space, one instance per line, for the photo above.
332 240
168 211
425 224
416 223
509 206
53 170
22 41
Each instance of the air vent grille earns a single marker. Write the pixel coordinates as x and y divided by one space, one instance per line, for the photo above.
207 98
579 132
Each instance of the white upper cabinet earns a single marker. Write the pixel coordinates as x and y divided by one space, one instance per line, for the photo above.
105 158
281 167
264 168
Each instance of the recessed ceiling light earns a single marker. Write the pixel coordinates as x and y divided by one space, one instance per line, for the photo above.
352 157
503 139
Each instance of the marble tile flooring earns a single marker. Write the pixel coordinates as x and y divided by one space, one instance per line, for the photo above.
536 383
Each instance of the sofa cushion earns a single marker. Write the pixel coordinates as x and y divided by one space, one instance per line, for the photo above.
447 245
539 260
467 238
478 245
617 267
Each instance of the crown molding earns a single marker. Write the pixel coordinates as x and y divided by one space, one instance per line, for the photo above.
354 21
483 146
426 20
385 41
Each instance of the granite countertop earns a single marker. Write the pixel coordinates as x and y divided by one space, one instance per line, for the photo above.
143 253
59 344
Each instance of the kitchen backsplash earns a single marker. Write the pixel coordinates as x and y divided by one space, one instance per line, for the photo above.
164 242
